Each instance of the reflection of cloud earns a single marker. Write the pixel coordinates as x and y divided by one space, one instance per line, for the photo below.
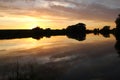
71 9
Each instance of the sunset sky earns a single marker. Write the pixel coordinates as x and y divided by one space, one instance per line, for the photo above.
57 14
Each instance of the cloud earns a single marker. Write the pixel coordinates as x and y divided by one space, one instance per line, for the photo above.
93 12
70 9
1 16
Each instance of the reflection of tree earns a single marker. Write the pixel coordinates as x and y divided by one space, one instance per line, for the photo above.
79 36
117 36
117 47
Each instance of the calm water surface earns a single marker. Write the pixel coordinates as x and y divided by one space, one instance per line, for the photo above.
59 58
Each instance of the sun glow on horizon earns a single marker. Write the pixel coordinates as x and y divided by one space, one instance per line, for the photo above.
21 22
28 22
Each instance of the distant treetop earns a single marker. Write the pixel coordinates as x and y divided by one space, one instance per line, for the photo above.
80 27
37 28
81 24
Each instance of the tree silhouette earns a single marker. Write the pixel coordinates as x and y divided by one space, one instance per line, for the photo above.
117 21
77 28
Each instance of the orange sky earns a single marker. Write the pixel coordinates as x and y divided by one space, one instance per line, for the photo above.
55 14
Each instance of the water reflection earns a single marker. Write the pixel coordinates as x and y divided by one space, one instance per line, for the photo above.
116 34
62 60
117 44
79 37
